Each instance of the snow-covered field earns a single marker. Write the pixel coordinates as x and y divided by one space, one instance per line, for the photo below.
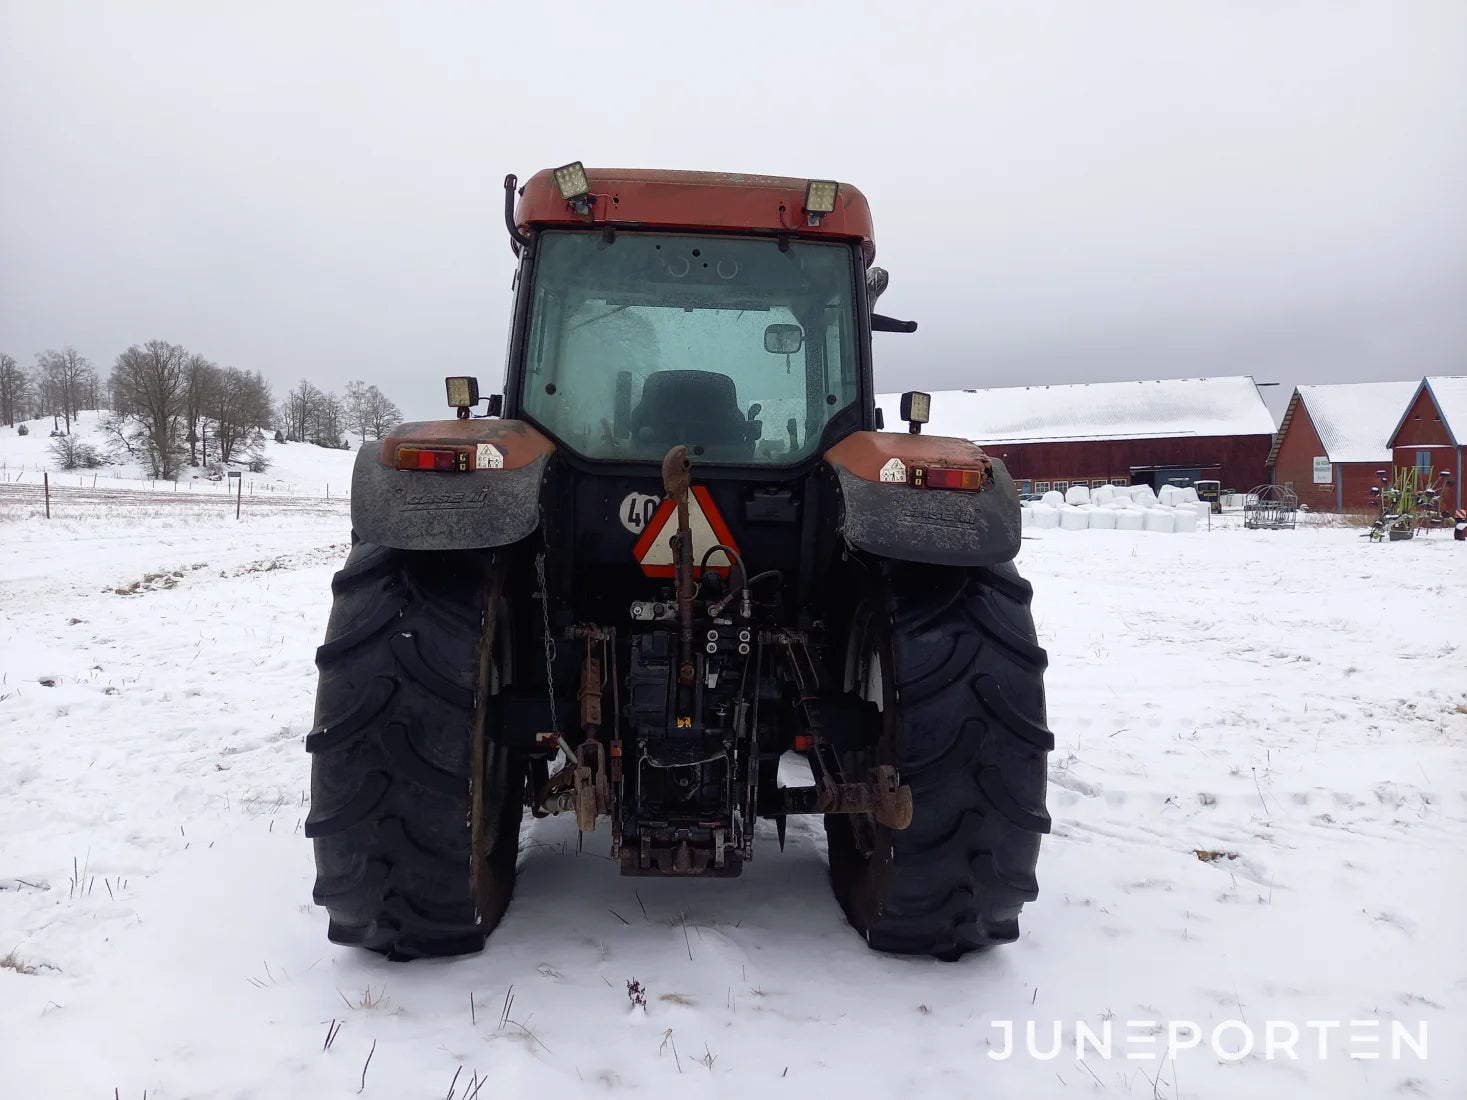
1293 705
294 469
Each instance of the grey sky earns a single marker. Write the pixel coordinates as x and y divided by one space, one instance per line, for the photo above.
1062 192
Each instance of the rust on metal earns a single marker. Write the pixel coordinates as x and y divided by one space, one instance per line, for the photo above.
517 443
677 478
865 454
883 797
684 201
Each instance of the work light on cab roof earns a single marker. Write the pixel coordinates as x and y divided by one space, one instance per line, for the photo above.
575 188
819 199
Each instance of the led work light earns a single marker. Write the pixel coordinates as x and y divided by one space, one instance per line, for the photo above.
463 392
916 408
820 196
571 179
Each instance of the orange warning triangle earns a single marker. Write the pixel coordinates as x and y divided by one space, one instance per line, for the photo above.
653 550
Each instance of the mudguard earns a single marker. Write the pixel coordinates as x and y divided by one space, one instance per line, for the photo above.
884 511
495 502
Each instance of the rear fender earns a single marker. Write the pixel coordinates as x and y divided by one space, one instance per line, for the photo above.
495 502
883 513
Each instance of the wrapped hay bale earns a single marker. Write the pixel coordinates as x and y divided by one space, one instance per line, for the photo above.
1077 494
1130 519
1159 519
1054 498
1074 518
1103 519
1046 516
1184 520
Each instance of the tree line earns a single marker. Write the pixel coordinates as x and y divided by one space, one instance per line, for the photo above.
166 407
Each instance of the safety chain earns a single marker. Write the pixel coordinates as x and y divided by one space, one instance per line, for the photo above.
549 641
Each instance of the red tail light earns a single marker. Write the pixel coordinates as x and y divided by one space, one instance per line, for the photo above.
432 458
950 477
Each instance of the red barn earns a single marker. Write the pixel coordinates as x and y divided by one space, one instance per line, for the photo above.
1052 437
1432 433
1334 439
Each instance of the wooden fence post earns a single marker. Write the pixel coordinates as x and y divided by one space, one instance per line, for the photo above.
46 480
238 498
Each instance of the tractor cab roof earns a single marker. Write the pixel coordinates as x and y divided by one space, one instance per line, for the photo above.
671 200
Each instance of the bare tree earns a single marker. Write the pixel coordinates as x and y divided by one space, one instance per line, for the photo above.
299 410
239 405
65 377
328 425
201 377
369 410
357 419
153 378
385 415
14 390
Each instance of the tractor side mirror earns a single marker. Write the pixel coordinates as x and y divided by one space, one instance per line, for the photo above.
621 413
877 280
783 339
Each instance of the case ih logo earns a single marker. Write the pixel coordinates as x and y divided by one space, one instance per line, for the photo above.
417 502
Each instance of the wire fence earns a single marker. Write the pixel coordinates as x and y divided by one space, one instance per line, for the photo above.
52 498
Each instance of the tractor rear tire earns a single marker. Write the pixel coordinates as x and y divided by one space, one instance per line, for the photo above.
954 657
398 738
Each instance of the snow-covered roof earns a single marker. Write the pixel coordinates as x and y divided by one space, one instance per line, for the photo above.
1096 410
1355 420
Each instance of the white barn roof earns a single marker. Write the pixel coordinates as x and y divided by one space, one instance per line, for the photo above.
1355 420
1163 409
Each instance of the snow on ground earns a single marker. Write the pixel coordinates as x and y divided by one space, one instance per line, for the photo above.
294 468
1290 704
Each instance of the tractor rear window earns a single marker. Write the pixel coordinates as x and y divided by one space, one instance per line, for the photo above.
726 344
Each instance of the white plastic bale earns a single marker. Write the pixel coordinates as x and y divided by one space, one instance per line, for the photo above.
1103 519
1103 495
1130 519
1167 496
1054 498
1158 519
1184 520
1144 495
1073 518
1026 516
1201 508
1187 495
1046 516
1077 494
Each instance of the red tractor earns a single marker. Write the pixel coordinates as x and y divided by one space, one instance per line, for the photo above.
677 547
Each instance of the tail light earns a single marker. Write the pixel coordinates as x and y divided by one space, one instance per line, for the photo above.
432 458
951 477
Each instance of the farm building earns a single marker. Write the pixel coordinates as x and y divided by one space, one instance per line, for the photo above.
1432 433
1333 441
1123 433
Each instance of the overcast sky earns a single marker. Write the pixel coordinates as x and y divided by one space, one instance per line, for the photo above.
1062 191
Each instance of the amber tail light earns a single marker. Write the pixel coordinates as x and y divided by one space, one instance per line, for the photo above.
950 477
432 458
